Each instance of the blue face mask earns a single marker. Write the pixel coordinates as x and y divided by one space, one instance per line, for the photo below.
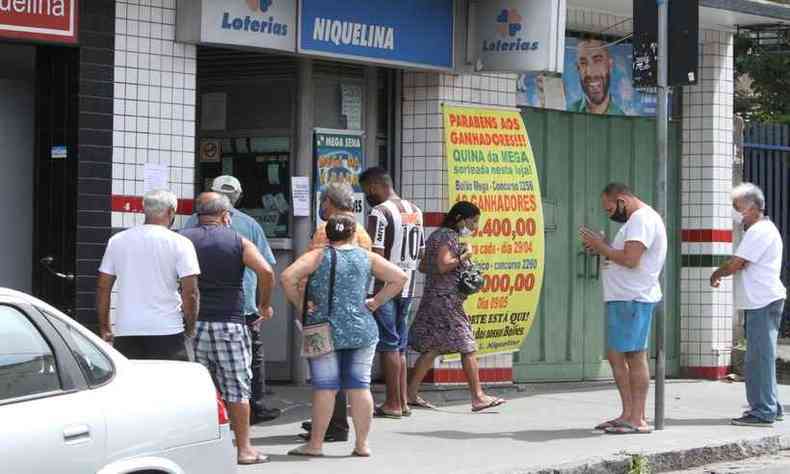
322 213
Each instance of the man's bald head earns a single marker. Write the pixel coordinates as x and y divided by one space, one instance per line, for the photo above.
211 205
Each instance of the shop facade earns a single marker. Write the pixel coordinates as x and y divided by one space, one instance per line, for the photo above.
166 93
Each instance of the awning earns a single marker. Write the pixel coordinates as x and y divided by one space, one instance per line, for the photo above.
714 14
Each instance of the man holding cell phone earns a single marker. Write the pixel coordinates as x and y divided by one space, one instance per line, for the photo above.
631 290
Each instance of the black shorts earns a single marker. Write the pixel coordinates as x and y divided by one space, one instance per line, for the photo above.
170 347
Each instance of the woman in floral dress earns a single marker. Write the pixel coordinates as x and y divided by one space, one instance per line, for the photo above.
441 325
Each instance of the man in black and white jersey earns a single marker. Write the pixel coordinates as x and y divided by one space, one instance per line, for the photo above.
396 228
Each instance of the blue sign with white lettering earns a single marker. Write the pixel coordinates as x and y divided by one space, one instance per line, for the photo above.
403 32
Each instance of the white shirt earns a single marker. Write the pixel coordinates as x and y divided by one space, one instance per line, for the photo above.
759 284
148 261
641 283
396 227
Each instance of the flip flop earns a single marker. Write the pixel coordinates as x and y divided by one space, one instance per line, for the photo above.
381 413
419 402
406 413
301 452
259 459
627 428
357 454
609 424
493 403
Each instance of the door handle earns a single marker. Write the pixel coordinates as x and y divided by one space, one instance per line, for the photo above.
48 261
76 434
584 270
597 265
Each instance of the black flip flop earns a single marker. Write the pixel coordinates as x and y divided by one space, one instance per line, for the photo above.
627 428
381 413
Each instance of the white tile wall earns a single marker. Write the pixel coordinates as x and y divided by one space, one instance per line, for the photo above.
154 109
707 313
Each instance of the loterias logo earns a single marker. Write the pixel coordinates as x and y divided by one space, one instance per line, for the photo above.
509 22
255 24
259 5
508 25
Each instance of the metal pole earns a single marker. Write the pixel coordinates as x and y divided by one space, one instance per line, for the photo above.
661 198
303 167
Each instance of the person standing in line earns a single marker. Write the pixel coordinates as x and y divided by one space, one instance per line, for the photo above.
441 325
249 228
631 290
397 229
759 292
150 263
336 293
337 198
222 338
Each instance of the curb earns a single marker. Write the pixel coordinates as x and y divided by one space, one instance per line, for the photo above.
669 460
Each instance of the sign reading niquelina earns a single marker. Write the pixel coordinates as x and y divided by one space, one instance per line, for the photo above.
490 163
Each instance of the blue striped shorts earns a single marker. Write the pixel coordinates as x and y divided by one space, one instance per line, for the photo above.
225 350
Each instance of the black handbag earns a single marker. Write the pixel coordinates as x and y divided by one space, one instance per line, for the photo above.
471 280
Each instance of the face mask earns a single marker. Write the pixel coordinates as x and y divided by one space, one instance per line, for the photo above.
619 214
737 217
322 214
371 201
464 231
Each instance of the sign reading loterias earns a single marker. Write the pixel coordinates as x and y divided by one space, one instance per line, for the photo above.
39 20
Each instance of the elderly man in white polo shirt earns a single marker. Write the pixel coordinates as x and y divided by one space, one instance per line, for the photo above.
759 292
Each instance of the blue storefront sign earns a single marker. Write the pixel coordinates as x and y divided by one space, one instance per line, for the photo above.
415 33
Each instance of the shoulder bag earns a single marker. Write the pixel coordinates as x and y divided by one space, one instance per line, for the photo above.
317 338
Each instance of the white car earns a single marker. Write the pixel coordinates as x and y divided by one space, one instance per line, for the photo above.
71 404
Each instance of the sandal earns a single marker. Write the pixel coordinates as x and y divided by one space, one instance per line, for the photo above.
628 428
419 402
258 459
302 451
382 413
495 402
609 424
357 454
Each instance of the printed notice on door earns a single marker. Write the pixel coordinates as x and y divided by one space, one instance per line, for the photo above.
490 163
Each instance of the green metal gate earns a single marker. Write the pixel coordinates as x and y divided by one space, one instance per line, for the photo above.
577 155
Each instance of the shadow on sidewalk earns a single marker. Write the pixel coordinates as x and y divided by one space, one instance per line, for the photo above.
276 440
535 436
698 421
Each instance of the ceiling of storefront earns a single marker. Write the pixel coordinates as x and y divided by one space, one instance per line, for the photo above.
714 14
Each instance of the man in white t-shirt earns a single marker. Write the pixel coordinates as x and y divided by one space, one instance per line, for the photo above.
631 290
759 292
157 273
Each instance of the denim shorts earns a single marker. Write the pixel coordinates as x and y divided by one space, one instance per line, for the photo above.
392 319
344 369
628 325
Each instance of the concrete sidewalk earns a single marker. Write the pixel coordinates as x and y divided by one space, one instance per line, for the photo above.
546 429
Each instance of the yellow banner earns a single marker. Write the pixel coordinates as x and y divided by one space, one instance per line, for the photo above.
490 163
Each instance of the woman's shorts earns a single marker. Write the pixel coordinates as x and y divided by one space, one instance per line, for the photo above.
628 325
344 369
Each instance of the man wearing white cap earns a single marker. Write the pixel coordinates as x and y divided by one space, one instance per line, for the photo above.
248 228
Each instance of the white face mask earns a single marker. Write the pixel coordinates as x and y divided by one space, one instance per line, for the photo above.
737 217
464 231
